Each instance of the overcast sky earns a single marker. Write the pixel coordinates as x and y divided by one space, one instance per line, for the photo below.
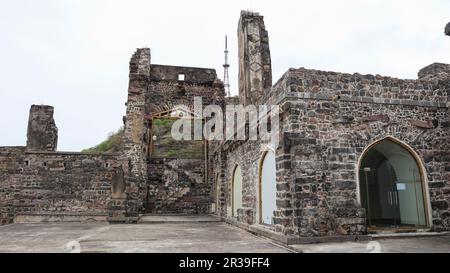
74 54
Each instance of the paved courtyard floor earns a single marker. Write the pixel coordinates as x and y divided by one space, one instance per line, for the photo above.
181 234
428 244
209 237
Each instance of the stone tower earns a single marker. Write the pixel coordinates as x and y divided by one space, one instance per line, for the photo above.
42 133
125 204
255 68
447 29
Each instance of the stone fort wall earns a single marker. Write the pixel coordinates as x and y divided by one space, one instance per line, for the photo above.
327 135
162 185
55 186
39 184
327 120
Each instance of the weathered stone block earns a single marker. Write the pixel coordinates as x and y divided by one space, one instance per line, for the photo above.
439 204
42 133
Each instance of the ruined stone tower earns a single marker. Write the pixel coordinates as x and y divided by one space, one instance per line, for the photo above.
159 178
124 207
42 134
255 68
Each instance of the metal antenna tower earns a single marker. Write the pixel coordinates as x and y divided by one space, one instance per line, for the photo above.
226 78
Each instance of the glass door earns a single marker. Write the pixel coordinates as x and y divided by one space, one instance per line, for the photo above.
391 187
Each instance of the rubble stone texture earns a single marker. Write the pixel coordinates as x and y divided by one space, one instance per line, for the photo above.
255 69
55 185
42 132
328 119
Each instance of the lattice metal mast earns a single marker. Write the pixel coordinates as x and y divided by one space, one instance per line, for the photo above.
226 77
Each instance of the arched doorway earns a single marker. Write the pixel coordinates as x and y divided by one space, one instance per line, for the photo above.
392 186
237 190
218 183
267 188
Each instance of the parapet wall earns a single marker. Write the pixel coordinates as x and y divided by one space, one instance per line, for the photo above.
44 184
435 71
431 90
192 75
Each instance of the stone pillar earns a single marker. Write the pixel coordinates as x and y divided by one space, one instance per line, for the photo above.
447 29
126 207
42 133
255 68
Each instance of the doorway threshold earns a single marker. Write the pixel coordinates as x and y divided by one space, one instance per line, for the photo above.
392 234
393 230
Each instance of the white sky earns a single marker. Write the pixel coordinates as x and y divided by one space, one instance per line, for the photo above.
74 54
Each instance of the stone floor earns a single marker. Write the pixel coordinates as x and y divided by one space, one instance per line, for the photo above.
428 244
182 234
166 237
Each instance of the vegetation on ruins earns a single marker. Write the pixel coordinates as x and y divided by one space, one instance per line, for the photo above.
111 145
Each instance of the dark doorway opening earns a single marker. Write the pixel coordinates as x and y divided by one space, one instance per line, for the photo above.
391 187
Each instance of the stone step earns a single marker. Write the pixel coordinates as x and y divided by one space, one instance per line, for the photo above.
161 219
47 217
406 235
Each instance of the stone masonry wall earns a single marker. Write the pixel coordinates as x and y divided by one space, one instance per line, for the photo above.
248 155
126 206
154 89
179 185
328 119
42 183
332 117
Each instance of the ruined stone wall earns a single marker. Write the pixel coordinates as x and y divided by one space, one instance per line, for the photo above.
125 207
42 133
166 95
325 150
333 117
154 89
255 67
435 71
255 82
178 184
47 184
248 155
327 120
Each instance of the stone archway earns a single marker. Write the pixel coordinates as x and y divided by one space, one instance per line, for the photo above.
236 186
392 186
267 188
218 185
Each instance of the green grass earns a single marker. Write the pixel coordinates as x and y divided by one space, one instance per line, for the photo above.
112 144
166 146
